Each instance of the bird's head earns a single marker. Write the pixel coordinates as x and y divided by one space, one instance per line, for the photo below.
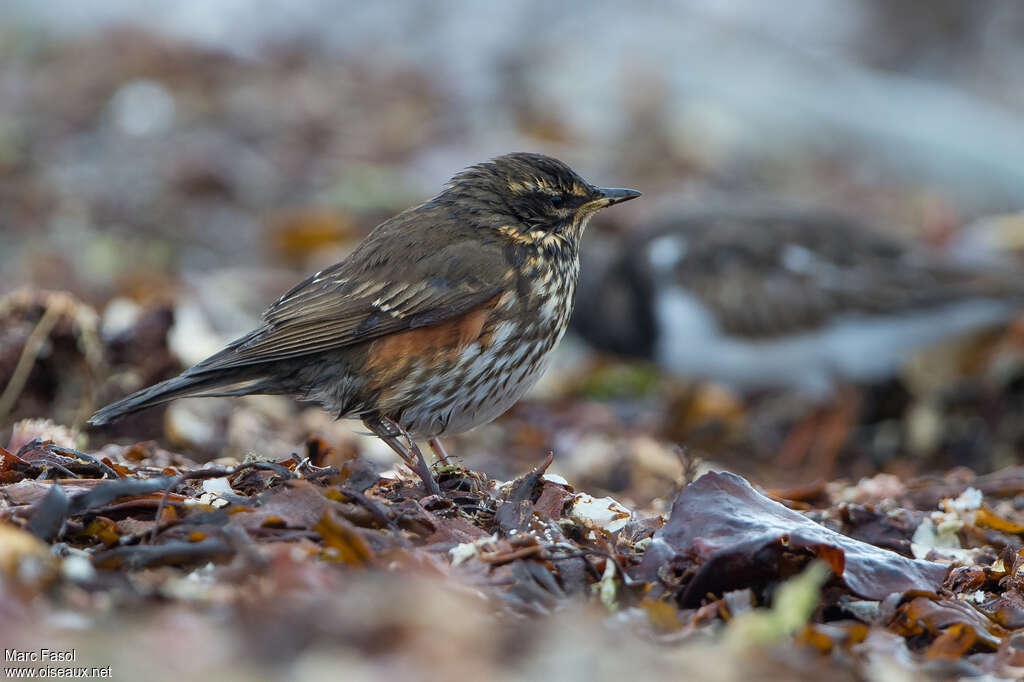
532 197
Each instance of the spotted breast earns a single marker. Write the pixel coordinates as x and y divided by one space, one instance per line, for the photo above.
467 372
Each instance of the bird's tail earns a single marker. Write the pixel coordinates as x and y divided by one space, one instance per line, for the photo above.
191 384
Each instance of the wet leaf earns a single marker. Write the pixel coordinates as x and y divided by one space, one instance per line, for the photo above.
954 642
103 530
730 536
168 554
932 615
986 518
344 539
49 514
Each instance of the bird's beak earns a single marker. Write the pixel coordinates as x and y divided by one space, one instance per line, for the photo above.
613 195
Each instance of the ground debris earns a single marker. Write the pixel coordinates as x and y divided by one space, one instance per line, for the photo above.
726 561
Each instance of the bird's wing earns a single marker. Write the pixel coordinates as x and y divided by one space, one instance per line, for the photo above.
393 282
773 276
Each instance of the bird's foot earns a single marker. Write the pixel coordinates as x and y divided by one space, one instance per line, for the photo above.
393 434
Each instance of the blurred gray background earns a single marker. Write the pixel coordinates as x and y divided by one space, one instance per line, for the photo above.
907 112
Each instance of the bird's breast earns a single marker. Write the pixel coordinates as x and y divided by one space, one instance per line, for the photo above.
462 372
549 295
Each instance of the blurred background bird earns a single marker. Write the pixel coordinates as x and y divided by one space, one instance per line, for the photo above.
800 300
797 301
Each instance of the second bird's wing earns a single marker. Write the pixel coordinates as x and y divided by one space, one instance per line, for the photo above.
767 276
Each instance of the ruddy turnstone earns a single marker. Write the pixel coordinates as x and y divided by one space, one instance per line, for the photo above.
787 300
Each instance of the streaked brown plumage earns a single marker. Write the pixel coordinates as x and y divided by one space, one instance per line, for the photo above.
437 322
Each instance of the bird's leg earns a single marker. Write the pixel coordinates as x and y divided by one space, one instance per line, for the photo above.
392 433
438 447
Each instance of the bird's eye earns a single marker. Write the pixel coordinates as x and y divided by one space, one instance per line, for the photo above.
557 200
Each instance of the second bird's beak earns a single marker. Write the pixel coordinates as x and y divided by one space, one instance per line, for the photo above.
614 195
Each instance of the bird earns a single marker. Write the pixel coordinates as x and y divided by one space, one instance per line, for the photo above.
437 322
798 303
782 299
